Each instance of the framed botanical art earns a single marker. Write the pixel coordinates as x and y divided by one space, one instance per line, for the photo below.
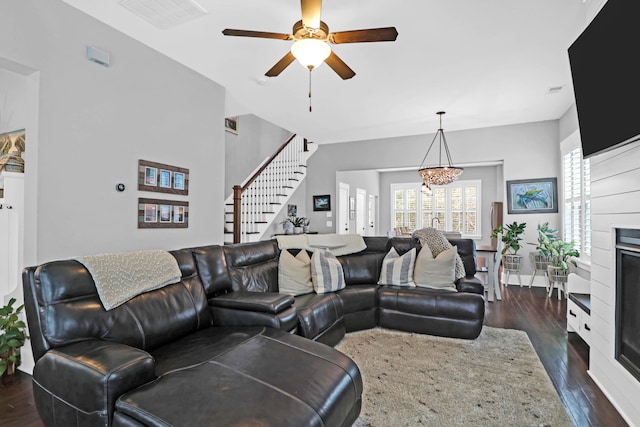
157 213
527 196
161 178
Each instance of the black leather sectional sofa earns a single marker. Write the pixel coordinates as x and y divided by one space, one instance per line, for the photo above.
222 347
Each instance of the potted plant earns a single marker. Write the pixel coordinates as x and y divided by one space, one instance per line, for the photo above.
305 225
540 261
298 224
12 337
560 253
287 225
511 237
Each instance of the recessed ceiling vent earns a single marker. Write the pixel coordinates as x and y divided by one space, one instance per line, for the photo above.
165 14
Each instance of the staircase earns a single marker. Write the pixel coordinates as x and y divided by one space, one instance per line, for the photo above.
253 206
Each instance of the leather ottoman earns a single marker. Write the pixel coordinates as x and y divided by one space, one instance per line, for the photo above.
270 379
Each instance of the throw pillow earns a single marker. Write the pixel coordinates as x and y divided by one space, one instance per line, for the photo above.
294 273
398 270
438 243
438 272
326 272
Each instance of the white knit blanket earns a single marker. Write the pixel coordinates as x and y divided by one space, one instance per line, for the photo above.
338 244
122 276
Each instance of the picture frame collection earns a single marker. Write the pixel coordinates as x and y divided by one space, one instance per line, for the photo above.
162 178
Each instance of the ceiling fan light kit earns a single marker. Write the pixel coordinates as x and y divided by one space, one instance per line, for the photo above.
311 53
311 36
439 175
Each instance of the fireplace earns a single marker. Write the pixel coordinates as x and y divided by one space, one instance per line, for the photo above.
628 300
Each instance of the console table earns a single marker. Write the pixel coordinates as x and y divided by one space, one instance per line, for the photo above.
493 282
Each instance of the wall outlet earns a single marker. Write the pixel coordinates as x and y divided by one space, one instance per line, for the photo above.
329 214
329 223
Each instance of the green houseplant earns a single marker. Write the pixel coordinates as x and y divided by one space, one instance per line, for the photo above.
510 235
538 259
560 253
12 337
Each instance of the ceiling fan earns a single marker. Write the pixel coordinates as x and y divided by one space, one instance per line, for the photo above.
311 36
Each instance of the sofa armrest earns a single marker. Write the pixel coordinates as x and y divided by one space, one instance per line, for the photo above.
470 284
95 374
254 309
264 302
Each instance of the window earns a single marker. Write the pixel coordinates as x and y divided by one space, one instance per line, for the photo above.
576 186
453 207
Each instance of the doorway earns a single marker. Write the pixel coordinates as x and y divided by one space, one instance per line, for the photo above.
361 212
342 226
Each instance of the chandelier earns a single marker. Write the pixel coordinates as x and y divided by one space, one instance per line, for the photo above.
438 175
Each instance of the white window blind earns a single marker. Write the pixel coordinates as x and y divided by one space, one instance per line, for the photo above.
577 201
456 207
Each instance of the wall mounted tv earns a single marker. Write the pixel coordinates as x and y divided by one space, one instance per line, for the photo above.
606 79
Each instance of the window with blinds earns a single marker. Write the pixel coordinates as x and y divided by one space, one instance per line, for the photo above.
453 207
577 201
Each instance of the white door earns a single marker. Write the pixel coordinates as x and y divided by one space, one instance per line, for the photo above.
361 212
342 225
372 229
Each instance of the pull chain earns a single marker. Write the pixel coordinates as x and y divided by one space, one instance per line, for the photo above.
310 69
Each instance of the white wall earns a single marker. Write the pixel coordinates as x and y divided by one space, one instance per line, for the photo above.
529 150
615 202
93 125
13 101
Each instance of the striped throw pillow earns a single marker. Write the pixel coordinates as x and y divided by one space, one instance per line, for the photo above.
398 270
326 272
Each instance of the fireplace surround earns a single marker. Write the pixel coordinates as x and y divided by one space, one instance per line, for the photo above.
627 342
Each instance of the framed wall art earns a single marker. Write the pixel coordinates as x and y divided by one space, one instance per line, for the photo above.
158 213
231 124
322 203
162 178
527 196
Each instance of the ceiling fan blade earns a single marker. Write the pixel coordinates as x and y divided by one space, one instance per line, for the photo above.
280 65
311 10
339 66
387 34
259 34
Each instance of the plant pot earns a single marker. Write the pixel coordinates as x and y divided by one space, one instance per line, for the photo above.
511 262
297 230
305 229
540 262
557 274
288 228
11 366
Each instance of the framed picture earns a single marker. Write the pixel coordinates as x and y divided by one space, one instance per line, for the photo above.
165 178
178 181
231 124
161 178
150 176
352 214
150 213
178 214
526 196
322 203
165 213
292 210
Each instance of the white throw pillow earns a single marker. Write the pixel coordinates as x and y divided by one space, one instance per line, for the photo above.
294 273
326 272
438 272
398 270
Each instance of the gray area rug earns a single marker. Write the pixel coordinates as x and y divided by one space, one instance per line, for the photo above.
420 380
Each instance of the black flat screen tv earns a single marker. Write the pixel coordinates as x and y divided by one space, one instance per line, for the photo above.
606 77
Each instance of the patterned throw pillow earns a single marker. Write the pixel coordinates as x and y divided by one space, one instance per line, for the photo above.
438 272
438 243
294 273
398 270
326 272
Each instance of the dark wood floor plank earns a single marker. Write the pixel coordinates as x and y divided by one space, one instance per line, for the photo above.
564 355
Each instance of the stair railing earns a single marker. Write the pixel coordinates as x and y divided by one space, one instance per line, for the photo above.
256 198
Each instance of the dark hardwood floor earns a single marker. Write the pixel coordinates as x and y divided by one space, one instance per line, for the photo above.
564 356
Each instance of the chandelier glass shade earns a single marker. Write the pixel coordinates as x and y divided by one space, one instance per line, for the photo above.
440 174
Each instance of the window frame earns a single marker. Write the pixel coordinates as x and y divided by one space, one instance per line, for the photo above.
570 146
448 211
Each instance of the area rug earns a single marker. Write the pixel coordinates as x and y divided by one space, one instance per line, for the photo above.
420 380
